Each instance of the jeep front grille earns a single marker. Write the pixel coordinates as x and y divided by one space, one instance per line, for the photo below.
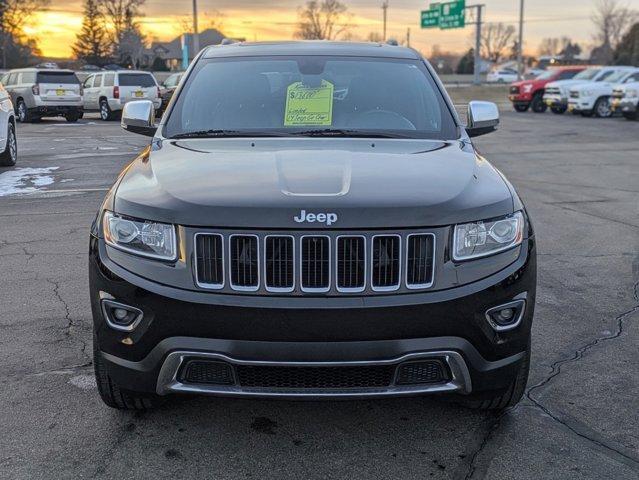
351 263
419 262
297 263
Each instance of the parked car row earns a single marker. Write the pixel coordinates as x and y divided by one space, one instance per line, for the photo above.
44 92
598 91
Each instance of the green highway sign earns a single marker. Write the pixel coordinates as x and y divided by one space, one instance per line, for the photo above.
445 15
451 14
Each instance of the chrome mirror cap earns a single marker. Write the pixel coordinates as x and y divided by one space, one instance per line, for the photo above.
139 117
483 117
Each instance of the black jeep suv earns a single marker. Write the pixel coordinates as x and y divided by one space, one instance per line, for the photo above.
311 220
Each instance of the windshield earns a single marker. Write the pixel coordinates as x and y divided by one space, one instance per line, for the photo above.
546 75
587 74
312 95
136 80
58 77
617 76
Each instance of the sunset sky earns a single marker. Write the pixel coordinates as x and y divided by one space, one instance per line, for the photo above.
56 27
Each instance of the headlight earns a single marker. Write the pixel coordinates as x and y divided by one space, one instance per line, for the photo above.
149 239
479 239
588 93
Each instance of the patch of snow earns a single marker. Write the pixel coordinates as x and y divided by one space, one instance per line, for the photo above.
25 180
83 382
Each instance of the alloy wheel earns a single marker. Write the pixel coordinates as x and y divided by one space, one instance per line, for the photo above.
13 145
104 111
603 109
22 111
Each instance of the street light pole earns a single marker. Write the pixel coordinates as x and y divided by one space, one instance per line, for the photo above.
196 35
520 55
477 61
384 9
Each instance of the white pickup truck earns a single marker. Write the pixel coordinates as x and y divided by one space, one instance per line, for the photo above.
625 98
593 98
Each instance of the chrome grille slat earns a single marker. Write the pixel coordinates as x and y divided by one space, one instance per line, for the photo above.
279 259
209 260
350 263
244 269
386 262
420 266
315 271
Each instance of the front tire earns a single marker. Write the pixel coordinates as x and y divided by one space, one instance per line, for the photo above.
23 112
112 394
602 108
519 107
501 400
537 105
72 117
558 110
631 115
9 157
106 113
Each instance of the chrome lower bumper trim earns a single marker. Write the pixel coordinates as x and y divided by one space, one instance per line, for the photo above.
168 382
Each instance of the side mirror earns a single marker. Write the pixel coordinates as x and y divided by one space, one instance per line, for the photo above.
483 118
139 117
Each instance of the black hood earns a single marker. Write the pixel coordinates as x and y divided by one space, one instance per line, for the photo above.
266 182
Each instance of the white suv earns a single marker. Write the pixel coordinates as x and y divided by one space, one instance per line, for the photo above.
594 97
8 141
108 92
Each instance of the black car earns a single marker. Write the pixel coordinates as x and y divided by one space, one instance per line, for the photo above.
167 89
311 220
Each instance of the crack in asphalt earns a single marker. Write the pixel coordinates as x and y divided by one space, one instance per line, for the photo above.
617 454
67 315
600 217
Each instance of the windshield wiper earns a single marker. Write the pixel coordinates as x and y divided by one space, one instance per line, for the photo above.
339 132
226 133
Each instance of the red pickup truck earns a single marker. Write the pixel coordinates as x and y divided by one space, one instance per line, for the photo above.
527 94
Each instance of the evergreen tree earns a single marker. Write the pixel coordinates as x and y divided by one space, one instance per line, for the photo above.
92 44
627 52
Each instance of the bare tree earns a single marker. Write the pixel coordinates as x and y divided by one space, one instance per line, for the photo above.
116 13
374 37
322 20
495 39
15 14
612 20
211 19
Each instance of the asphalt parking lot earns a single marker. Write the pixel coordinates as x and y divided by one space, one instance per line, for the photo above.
580 180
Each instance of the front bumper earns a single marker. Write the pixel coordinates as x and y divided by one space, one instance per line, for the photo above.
580 105
556 101
625 105
448 326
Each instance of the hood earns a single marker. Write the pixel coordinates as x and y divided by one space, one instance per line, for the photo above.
266 182
565 83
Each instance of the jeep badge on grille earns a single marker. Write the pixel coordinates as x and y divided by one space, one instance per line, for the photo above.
327 218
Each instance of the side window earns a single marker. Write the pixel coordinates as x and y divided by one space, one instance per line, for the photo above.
605 75
633 78
88 83
108 79
28 77
18 78
98 81
567 74
12 79
4 79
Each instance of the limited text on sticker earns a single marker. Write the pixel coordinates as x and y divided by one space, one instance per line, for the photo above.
308 105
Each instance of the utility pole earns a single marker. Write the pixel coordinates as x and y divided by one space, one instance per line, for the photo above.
477 61
196 34
384 10
408 37
520 55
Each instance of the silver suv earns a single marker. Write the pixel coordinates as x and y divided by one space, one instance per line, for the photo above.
38 93
108 92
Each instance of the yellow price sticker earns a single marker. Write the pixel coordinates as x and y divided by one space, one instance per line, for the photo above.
307 105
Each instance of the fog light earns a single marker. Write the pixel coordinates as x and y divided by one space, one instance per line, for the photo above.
120 316
507 316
